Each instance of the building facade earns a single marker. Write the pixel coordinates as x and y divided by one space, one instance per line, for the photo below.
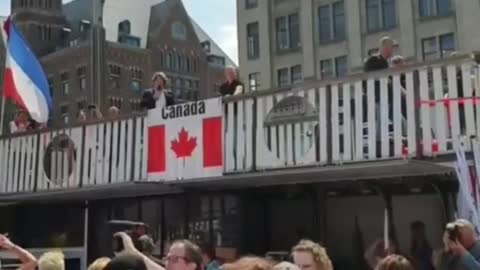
282 42
100 53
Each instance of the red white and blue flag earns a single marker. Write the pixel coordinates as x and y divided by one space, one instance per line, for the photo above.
25 82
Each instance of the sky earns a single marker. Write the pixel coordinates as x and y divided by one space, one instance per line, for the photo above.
217 17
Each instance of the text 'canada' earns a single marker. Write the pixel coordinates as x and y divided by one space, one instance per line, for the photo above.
184 110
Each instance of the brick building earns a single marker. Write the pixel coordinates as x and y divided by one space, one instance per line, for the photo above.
108 61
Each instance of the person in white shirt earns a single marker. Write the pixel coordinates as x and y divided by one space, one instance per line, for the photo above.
20 124
159 96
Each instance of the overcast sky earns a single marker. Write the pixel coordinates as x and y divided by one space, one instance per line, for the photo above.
216 17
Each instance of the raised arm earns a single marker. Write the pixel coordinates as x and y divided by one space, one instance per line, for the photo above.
29 262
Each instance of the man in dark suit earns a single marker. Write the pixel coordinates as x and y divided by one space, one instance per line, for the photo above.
159 96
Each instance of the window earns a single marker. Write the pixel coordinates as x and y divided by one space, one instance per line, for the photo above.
195 66
135 85
188 89
430 8
381 15
82 79
174 62
332 22
447 45
253 81
288 32
436 47
179 31
178 87
429 47
64 82
326 69
206 46
115 73
341 66
180 62
218 61
64 113
324 23
282 77
85 26
169 60
249 4
187 64
129 40
296 74
161 58
124 27
253 42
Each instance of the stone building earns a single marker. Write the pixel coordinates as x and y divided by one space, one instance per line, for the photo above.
103 52
282 42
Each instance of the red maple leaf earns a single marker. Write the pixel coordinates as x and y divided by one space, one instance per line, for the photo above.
184 146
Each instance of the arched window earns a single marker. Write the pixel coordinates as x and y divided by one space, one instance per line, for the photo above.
124 27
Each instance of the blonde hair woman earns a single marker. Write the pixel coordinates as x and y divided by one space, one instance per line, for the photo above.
99 264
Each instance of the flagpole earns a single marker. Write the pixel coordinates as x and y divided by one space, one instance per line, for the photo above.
2 116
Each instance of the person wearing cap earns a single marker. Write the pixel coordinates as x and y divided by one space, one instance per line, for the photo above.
462 252
159 96
380 61
147 248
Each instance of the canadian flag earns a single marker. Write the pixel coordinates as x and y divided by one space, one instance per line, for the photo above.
185 142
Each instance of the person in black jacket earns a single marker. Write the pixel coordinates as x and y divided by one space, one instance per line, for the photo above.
159 96
232 86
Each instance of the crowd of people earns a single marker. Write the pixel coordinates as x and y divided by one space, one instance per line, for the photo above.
461 251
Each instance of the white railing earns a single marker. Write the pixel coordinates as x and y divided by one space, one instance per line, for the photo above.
410 113
95 154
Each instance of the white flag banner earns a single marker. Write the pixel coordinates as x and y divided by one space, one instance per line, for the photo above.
185 141
465 198
476 159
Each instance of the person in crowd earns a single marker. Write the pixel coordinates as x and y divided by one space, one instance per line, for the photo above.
420 250
28 261
113 112
249 263
286 266
380 61
20 123
53 260
376 252
126 262
81 116
398 61
94 113
99 264
232 86
129 248
461 247
209 258
148 247
184 255
394 262
160 96
309 255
